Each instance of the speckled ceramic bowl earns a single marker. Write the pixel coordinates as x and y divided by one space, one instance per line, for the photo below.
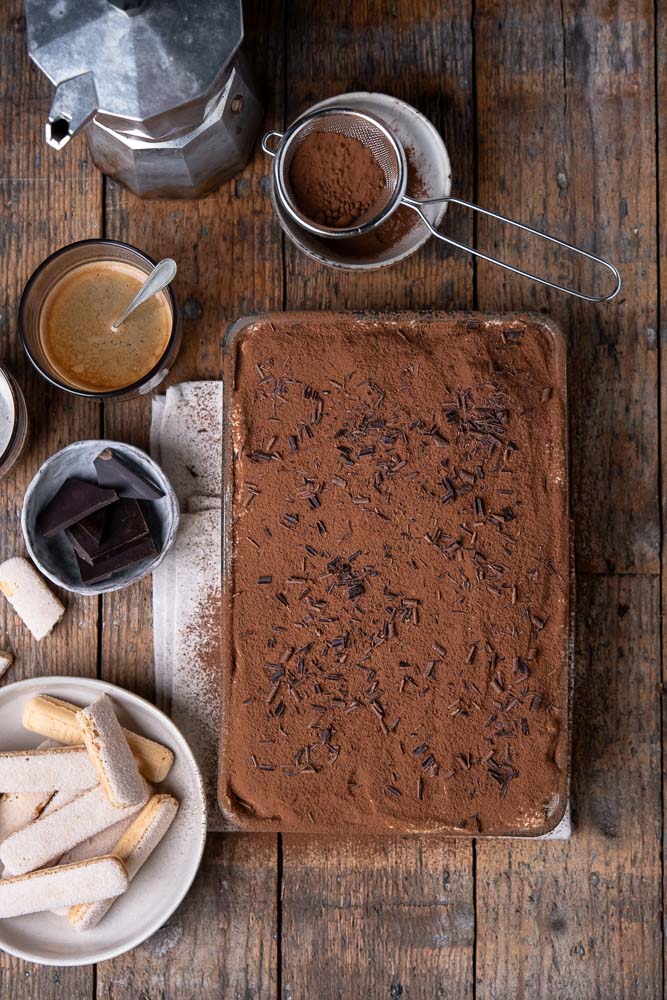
429 155
54 556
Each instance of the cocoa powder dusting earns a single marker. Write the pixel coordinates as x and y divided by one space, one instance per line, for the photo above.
398 604
335 179
391 233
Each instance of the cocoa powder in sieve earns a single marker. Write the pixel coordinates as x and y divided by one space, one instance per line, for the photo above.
389 235
335 179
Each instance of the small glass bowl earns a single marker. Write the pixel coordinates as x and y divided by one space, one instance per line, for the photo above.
50 272
18 436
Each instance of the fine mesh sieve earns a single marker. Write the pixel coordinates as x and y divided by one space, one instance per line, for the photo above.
371 133
390 156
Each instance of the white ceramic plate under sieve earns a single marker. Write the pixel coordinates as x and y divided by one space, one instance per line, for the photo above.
427 151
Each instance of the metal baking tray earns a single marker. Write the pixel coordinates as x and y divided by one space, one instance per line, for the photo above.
558 825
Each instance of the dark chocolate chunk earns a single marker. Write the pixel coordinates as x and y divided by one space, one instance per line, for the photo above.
74 500
117 473
133 553
93 525
125 524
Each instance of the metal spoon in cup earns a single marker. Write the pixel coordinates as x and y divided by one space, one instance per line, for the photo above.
161 276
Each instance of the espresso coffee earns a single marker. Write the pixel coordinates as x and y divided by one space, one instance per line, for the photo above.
75 327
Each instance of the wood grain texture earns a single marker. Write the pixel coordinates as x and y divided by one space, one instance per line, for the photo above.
220 942
566 125
661 123
421 53
38 189
376 917
581 920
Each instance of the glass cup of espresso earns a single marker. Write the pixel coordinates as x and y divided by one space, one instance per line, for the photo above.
65 317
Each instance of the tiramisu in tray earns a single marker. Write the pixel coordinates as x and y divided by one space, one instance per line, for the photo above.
397 573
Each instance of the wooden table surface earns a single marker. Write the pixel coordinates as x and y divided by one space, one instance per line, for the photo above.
550 112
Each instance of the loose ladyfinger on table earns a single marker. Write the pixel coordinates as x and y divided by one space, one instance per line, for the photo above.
30 597
51 836
58 720
110 753
54 888
46 770
134 848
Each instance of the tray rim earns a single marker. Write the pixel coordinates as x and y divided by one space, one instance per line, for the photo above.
558 339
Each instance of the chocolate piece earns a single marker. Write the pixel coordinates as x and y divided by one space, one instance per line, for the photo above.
75 500
405 669
125 524
94 524
133 553
73 537
116 472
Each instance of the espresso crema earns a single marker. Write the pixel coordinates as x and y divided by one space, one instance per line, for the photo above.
75 327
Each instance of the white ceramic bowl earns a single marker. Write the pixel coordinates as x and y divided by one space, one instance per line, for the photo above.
429 154
54 556
164 880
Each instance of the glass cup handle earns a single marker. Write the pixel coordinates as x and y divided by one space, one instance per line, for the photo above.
417 207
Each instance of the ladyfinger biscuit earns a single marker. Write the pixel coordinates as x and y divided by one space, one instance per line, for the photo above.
29 596
63 797
101 843
49 837
53 888
46 770
17 809
110 754
58 719
134 848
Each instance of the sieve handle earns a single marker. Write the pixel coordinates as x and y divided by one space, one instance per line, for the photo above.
267 138
417 206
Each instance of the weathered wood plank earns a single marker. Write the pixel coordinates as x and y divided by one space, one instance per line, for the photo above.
38 189
567 142
420 52
376 917
661 124
220 942
229 256
582 919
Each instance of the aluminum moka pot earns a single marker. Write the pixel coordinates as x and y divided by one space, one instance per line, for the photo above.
159 87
